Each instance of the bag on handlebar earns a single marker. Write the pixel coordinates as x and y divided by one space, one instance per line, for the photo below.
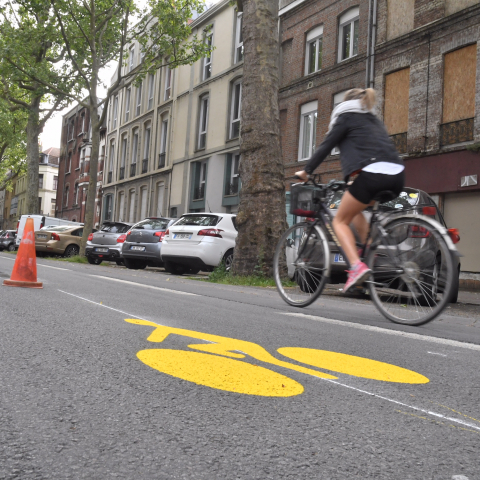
304 198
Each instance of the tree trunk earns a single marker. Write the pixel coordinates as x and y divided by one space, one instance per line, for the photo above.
90 209
261 219
33 154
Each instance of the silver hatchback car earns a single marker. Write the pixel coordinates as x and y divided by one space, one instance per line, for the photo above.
106 244
143 243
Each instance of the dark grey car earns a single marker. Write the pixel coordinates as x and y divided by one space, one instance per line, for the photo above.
7 240
143 243
414 201
106 244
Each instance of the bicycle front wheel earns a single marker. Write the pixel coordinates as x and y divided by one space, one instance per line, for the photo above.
301 264
412 269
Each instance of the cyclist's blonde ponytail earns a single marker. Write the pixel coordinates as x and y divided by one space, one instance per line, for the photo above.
366 96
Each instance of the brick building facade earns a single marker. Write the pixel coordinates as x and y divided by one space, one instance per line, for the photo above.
422 58
73 175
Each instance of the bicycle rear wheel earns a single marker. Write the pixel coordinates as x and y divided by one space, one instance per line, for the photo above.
301 264
412 269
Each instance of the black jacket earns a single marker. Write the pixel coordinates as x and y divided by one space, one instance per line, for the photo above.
362 139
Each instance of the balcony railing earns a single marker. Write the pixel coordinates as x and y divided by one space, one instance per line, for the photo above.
110 175
161 160
121 175
232 188
456 132
199 192
133 169
145 165
400 142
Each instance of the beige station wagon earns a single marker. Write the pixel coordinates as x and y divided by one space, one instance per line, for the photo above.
61 240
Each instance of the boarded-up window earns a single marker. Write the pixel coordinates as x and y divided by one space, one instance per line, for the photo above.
452 6
459 84
397 87
400 17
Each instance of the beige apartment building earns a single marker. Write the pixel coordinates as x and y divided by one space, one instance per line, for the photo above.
173 141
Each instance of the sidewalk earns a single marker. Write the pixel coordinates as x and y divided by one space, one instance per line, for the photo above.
472 298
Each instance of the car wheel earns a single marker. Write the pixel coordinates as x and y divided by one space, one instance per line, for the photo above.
94 260
71 251
11 247
120 263
193 271
130 264
228 260
141 264
175 268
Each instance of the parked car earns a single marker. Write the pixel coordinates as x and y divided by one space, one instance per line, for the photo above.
199 241
42 221
411 199
7 240
106 244
143 243
61 240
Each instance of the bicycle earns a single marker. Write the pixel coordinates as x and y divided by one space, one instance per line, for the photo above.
410 256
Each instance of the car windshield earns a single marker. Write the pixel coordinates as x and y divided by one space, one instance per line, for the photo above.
199 220
406 199
115 228
153 224
57 229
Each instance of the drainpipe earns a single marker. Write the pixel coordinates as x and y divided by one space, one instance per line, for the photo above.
374 39
367 69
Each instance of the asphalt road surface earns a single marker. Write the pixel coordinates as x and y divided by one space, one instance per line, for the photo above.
115 373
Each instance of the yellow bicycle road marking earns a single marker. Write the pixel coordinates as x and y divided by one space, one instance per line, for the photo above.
221 373
241 377
351 365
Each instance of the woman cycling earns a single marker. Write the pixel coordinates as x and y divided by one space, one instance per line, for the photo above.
366 150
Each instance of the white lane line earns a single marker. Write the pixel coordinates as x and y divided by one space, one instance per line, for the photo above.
146 286
416 336
56 268
418 409
8 258
435 353
413 407
105 306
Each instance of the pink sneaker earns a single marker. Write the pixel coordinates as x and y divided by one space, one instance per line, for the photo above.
356 276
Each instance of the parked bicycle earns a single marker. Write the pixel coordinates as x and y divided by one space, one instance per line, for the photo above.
410 256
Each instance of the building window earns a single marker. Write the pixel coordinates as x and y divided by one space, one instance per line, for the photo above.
55 182
232 185
139 100
83 124
108 207
75 194
395 110
239 38
69 163
168 83
40 180
199 180
110 163
207 61
308 128
151 84
143 203
202 122
160 198
65 196
127 103
459 96
52 207
146 148
173 212
40 205
163 145
121 206
123 159
132 59
115 111
131 206
71 128
82 156
235 106
348 34
133 166
313 55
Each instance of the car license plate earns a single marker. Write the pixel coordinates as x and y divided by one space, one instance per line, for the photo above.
43 237
138 249
338 258
182 235
101 250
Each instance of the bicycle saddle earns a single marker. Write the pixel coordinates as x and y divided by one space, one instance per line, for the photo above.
384 196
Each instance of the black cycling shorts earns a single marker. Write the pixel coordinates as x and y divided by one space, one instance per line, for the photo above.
366 186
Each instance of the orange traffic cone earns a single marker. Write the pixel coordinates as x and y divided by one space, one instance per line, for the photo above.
24 272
